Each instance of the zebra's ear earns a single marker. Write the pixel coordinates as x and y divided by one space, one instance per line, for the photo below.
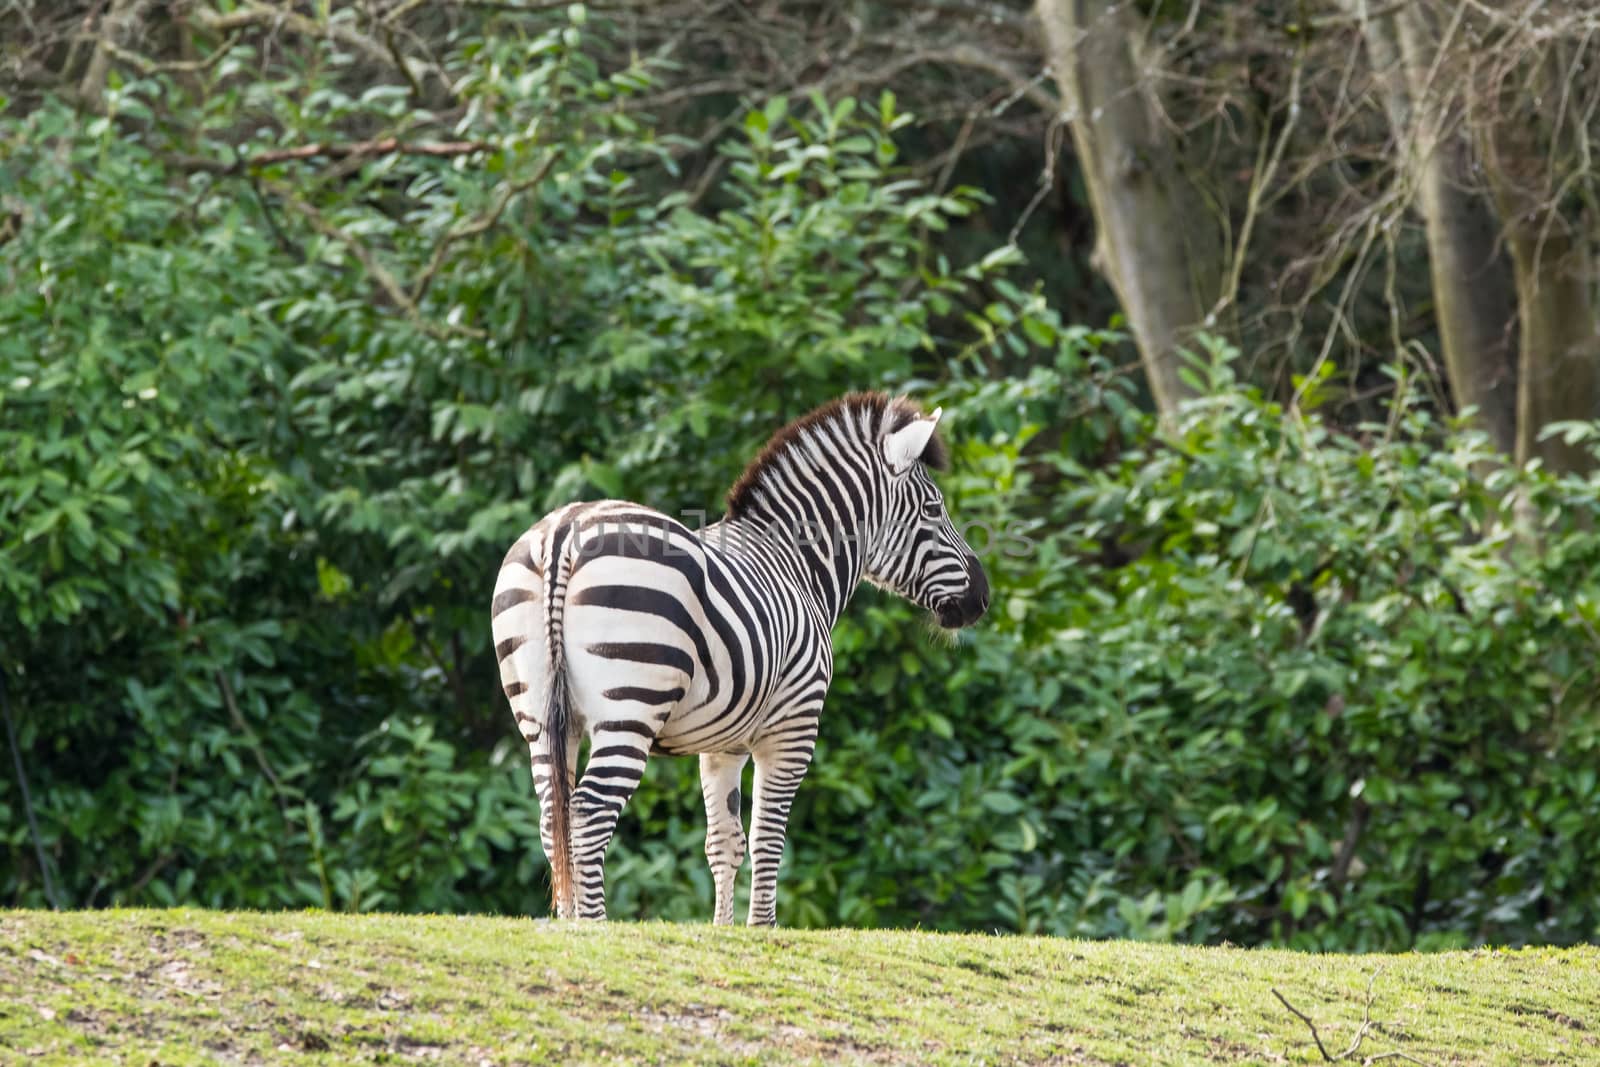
905 446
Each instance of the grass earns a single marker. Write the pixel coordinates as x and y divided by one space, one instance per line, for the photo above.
176 987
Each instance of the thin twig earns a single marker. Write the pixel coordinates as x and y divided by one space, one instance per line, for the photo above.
478 226
380 147
255 14
27 798
123 20
1303 1017
244 728
1266 168
1361 1031
156 867
970 57
1327 21
521 9
379 273
1053 138
417 97
342 150
954 155
282 238
146 65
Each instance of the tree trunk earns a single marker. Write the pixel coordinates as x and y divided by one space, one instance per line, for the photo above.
1559 370
1158 242
1472 280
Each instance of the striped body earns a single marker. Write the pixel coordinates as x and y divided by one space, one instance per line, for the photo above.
617 622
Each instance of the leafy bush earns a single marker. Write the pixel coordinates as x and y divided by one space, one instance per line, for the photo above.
1271 681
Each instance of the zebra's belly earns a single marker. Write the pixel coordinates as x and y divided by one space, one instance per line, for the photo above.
693 730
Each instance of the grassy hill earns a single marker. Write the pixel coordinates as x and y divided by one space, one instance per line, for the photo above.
176 987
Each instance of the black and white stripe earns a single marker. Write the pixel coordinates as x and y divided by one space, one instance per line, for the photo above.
616 622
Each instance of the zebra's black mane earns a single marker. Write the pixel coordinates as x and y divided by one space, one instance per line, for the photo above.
900 411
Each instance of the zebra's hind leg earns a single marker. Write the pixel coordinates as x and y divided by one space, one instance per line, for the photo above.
618 749
725 845
781 763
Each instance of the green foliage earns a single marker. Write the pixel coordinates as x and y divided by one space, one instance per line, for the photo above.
1290 684
266 432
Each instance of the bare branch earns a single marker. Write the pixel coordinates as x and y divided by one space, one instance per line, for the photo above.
380 147
120 24
243 727
536 7
1352 837
1265 170
1331 19
333 150
278 235
1360 1035
1303 1017
976 11
379 273
1054 136
258 14
972 58
478 226
145 65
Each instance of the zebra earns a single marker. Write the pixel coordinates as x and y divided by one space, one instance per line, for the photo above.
615 621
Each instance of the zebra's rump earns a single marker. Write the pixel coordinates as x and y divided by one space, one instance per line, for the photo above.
661 634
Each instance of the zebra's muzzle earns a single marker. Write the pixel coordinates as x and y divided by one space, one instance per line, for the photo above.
968 608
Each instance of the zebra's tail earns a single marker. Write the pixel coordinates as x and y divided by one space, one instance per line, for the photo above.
555 724
557 721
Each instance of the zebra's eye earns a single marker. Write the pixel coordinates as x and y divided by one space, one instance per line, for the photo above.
931 509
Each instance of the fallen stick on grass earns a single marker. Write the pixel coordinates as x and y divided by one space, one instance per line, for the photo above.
1361 1031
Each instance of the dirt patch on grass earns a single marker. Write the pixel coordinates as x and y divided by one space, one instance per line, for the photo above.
1557 1017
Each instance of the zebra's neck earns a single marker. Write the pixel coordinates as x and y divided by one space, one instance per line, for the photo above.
812 500
826 558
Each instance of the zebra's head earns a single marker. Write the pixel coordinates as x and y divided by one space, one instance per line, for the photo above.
918 553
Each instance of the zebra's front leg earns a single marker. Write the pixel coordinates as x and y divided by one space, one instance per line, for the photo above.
720 774
781 764
617 753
